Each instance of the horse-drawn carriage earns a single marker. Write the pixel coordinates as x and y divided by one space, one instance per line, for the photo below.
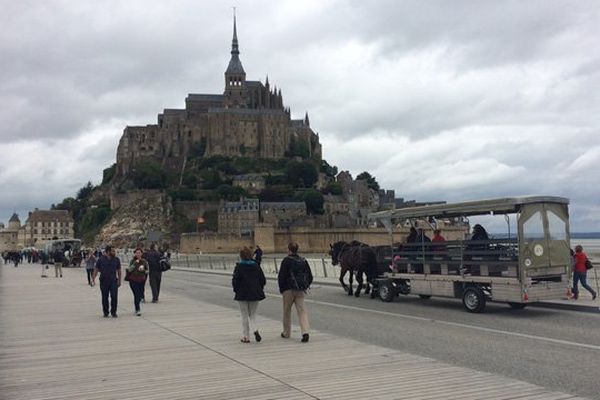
528 265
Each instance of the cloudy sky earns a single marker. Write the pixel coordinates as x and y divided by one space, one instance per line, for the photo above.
452 100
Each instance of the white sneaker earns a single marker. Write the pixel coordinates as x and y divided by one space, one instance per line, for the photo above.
138 313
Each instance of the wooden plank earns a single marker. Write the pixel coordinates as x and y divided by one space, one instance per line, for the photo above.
187 349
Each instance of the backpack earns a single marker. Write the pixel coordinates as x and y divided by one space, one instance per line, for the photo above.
164 263
299 275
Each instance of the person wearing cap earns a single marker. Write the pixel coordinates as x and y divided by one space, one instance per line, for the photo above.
109 267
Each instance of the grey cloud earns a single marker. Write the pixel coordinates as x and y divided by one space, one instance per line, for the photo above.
412 91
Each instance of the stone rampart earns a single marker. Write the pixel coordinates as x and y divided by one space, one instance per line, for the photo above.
310 240
194 209
119 199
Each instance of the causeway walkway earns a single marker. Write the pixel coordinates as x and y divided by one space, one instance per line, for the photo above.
54 344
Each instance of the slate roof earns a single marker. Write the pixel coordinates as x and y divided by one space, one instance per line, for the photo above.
50 215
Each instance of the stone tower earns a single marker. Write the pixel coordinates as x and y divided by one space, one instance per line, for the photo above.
235 76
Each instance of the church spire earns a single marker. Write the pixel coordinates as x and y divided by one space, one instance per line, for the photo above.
234 42
235 76
235 68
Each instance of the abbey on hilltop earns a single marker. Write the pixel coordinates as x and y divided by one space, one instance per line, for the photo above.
249 119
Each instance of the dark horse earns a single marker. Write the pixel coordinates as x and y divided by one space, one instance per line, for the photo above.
359 259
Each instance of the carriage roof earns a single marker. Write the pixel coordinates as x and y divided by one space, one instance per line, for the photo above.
505 205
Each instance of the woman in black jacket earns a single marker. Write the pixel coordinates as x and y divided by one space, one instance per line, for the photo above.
248 282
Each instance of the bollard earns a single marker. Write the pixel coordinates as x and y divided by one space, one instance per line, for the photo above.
324 268
210 262
198 260
275 263
224 265
187 260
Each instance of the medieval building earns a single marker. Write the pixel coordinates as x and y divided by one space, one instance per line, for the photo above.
248 119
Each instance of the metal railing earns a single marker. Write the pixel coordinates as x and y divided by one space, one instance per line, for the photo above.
320 267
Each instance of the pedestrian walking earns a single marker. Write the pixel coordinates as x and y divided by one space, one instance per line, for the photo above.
580 273
58 257
153 257
90 263
109 267
248 284
136 275
294 278
258 253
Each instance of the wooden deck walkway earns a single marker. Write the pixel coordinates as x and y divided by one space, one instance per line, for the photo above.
54 344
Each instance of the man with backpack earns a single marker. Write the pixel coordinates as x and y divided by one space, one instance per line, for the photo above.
294 280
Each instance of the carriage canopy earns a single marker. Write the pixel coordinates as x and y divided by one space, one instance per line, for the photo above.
507 205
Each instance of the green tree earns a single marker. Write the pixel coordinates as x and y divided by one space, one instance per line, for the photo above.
314 201
371 181
334 188
210 178
109 173
85 192
327 169
182 194
231 193
277 193
148 174
91 222
190 180
301 173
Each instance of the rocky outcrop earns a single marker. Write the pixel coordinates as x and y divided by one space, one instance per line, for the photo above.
137 217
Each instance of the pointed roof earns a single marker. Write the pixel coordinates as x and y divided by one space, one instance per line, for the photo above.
14 218
235 65
306 121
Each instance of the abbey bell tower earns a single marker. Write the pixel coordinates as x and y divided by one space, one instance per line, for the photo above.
235 76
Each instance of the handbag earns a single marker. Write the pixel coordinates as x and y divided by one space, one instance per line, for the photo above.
588 264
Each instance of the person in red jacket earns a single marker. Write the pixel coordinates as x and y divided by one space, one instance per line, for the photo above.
580 273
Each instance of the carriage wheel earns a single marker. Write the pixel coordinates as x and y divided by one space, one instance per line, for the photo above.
387 292
474 299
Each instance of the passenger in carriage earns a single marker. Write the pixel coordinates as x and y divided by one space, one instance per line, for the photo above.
438 238
422 237
439 250
474 249
479 233
412 235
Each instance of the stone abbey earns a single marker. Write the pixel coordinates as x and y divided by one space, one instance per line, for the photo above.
248 120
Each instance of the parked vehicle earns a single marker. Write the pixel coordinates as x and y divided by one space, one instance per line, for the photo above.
72 246
521 267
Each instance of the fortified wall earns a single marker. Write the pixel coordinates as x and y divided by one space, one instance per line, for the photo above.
309 240
194 209
118 200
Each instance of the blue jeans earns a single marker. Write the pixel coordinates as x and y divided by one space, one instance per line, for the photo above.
109 287
581 277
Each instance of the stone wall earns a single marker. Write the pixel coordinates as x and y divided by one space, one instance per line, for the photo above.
195 209
310 240
131 196
213 243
